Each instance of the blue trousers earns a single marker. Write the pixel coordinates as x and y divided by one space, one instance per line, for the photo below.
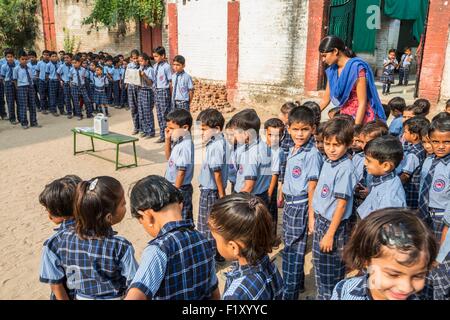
43 94
187 191
162 101
207 199
116 91
2 100
133 103
145 111
26 102
10 93
53 94
67 98
76 92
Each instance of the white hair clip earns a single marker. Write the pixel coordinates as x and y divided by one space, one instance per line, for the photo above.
93 184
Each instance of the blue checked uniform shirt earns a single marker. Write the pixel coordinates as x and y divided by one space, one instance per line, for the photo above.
215 161
177 265
20 75
150 73
386 192
439 190
51 70
396 126
64 72
181 158
414 156
261 281
182 84
6 72
163 75
42 69
82 72
34 68
337 181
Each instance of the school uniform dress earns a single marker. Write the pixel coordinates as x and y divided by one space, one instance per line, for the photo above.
26 100
385 192
64 73
34 67
182 85
146 101
434 195
254 163
396 126
414 156
78 88
43 85
108 72
123 89
277 158
133 100
100 94
163 78
96 269
403 71
357 288
286 144
214 161
182 159
302 166
54 88
6 74
387 78
337 181
177 265
116 86
46 274
261 281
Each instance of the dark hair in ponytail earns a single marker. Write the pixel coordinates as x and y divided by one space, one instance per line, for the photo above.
145 57
245 218
94 200
329 43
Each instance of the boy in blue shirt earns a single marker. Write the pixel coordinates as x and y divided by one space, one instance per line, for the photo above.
332 203
26 102
6 77
133 92
404 66
41 73
383 155
163 80
63 73
434 196
414 156
286 140
32 64
231 153
108 71
78 88
397 105
54 85
302 172
214 170
116 76
179 150
183 87
253 156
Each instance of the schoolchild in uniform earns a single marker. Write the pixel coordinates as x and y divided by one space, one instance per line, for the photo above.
237 222
404 66
3 114
178 263
63 73
318 139
397 106
390 63
393 250
57 198
414 156
26 99
123 86
54 85
253 156
423 107
6 76
286 140
78 78
332 203
146 98
90 74
43 81
434 195
163 81
274 129
382 156
33 65
214 169
183 87
179 150
116 82
231 153
100 93
96 262
133 93
108 71
302 172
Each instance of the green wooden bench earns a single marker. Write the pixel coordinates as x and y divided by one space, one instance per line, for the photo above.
116 138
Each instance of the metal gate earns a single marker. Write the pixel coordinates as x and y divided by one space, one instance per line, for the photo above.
342 20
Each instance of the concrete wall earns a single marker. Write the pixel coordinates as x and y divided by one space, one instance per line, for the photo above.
445 90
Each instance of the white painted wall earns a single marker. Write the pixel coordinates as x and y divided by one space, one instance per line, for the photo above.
445 89
202 38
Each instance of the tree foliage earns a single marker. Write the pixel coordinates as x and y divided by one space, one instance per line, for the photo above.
116 13
18 23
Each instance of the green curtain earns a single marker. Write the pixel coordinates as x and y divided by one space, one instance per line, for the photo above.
408 10
364 38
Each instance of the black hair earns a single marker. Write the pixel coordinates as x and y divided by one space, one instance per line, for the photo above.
52 53
45 52
320 127
375 129
145 56
340 129
397 103
447 104
160 51
315 108
407 48
346 117
287 107
418 125
385 149
116 60
180 117
229 124
392 50
440 122
179 59
329 43
244 218
32 53
387 110
77 58
9 51
22 53
423 106
211 118
134 52
109 58
153 192
274 123
62 51
58 196
415 109
334 111
247 119
302 115
94 201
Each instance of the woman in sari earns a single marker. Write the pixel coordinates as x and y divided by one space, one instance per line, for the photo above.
351 84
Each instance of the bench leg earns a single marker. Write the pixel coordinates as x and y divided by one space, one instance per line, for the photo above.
135 156
74 143
117 157
92 143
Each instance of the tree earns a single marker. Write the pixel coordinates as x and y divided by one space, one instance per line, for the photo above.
116 13
18 23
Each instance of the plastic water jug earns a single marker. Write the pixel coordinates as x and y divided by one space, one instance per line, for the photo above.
101 124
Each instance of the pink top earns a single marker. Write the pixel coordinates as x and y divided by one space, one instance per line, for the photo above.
351 106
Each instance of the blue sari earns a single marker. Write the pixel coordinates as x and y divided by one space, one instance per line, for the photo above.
341 86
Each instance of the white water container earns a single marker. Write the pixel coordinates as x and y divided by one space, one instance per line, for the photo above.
101 124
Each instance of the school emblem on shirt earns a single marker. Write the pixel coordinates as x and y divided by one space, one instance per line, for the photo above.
161 77
296 172
171 163
241 169
183 89
231 166
439 185
325 191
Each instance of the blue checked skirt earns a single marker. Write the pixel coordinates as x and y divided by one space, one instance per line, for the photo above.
100 96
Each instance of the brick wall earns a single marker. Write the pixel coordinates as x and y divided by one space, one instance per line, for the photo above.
445 91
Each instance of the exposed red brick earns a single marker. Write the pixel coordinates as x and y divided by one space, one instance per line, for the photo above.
172 14
233 48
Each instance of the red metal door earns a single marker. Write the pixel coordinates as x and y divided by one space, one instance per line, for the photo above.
48 22
150 38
